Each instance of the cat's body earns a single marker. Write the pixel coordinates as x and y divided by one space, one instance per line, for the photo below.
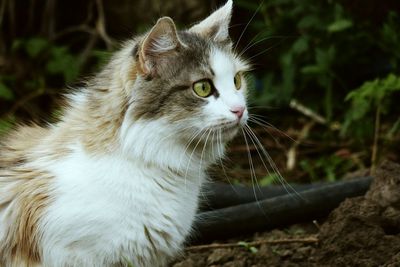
117 180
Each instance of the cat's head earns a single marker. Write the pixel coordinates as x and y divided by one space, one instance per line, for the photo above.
192 79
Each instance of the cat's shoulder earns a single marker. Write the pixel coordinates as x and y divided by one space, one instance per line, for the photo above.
19 141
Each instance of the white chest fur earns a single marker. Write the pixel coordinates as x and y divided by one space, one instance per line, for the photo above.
110 209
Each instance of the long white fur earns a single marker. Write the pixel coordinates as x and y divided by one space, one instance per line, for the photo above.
103 202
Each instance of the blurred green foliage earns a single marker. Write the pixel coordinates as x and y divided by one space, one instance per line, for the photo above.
51 59
329 168
338 63
325 51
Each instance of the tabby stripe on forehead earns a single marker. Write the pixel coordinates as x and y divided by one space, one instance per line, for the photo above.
212 72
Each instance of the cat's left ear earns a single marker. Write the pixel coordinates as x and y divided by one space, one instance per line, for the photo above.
161 42
216 26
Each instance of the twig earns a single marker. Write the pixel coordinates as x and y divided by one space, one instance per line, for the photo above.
101 28
376 138
307 112
49 19
292 152
21 102
307 240
2 10
296 105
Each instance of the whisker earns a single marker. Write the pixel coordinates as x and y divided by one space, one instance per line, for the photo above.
260 107
191 139
248 23
191 154
266 124
219 139
252 172
172 134
202 151
250 42
259 41
258 152
266 50
273 165
201 158
266 130
261 147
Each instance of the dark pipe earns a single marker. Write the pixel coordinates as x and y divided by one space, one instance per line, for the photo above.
277 211
220 195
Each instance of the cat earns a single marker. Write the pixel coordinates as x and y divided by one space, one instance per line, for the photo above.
115 182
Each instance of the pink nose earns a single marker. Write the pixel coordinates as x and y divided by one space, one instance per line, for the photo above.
238 111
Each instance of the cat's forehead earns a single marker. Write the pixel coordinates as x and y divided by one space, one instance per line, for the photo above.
202 56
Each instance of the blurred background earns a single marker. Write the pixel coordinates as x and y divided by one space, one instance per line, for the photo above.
325 89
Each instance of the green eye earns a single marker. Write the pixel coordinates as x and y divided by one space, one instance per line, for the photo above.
203 88
238 81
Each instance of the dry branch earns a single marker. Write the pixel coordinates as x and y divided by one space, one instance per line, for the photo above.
307 240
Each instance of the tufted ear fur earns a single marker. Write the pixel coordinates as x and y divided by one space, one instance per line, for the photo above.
158 45
216 26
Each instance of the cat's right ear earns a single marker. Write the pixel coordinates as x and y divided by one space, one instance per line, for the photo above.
159 43
216 26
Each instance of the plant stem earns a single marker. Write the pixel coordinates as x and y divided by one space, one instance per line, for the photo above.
376 138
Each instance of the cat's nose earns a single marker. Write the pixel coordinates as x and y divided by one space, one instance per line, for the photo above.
238 111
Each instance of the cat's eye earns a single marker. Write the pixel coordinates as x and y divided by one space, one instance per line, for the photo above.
203 88
238 81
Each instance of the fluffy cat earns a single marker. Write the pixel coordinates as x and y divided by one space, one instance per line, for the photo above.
116 180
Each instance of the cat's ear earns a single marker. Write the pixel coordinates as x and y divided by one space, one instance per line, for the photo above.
158 44
216 26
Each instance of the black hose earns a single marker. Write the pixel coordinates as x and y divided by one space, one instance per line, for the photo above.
219 195
277 211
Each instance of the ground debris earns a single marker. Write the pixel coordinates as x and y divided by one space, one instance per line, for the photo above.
362 231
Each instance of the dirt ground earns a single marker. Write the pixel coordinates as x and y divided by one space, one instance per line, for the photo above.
362 231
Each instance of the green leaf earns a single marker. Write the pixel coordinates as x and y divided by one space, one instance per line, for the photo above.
16 44
268 180
366 99
393 130
35 46
301 45
62 62
5 92
248 247
340 25
310 21
253 250
311 69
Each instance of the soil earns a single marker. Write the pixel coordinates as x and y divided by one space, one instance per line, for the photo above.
362 231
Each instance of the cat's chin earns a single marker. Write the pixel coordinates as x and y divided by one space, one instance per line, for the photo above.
228 133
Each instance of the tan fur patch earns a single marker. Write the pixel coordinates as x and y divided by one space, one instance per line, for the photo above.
17 145
104 126
30 197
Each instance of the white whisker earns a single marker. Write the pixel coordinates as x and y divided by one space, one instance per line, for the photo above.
247 25
273 165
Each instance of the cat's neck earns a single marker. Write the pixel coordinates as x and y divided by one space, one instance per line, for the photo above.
95 113
155 142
